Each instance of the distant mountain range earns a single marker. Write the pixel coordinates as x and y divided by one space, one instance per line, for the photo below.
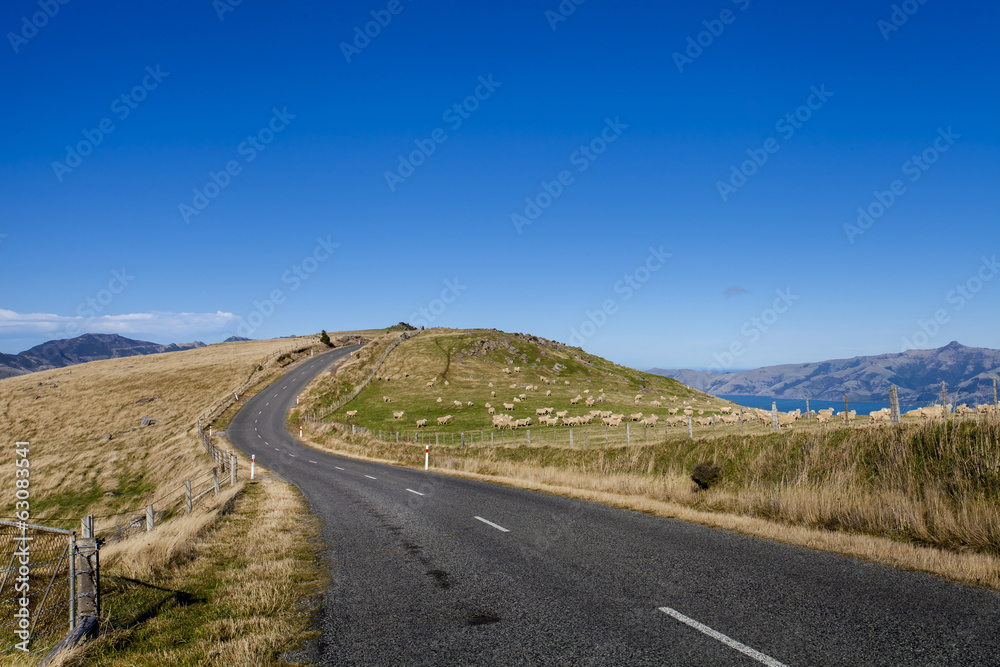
968 374
88 347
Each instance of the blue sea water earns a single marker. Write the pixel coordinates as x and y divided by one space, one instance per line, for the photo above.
789 404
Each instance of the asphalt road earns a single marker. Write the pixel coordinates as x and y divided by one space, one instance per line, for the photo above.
436 570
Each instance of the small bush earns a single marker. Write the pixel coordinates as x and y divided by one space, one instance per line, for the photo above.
705 474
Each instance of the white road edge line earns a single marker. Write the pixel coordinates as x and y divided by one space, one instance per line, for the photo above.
338 467
416 492
312 462
490 523
370 477
742 648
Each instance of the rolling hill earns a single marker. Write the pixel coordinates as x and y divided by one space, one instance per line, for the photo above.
967 371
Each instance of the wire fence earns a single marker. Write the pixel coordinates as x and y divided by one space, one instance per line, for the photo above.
48 584
322 413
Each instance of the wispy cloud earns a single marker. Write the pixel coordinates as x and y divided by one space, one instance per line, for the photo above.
174 327
735 290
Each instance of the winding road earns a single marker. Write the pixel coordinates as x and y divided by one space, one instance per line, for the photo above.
429 569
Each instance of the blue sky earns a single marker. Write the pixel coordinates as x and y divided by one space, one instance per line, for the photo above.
666 184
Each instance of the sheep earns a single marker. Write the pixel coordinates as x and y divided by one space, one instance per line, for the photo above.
638 397
618 416
491 384
654 404
487 405
352 413
446 383
539 411
548 392
586 391
508 406
439 399
470 404
517 369
516 399
561 413
421 422
594 413
398 415
513 386
701 412
649 421
491 410
725 409
590 401
635 416
430 384
566 382
444 420
386 399
523 396
605 414
457 404
493 394
575 400
506 371
688 411
608 421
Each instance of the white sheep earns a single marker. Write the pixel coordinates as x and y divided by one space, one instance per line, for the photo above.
352 413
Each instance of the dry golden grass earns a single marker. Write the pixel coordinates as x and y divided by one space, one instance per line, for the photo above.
230 587
65 413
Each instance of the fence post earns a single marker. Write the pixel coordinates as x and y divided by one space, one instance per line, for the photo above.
87 570
149 519
529 437
847 414
628 434
894 405
808 416
187 495
774 414
463 439
72 581
215 480
232 469
571 436
690 429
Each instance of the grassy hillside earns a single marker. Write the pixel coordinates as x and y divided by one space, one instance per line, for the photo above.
462 365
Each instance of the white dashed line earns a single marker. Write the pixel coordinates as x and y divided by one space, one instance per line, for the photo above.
267 404
370 477
742 648
490 523
312 462
292 455
338 467
276 449
416 492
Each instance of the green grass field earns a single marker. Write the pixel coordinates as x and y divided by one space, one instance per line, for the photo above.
463 364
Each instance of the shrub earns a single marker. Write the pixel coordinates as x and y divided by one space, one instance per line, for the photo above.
705 474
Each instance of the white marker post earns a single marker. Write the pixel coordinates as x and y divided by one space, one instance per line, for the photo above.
296 400
253 459
427 456
300 431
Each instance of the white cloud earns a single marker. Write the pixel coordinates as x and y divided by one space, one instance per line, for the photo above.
170 327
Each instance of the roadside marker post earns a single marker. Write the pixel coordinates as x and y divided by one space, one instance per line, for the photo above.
253 461
427 456
300 431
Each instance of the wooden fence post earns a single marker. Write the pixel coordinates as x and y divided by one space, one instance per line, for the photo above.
149 519
187 495
215 480
690 428
232 469
894 415
774 415
86 567
808 415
